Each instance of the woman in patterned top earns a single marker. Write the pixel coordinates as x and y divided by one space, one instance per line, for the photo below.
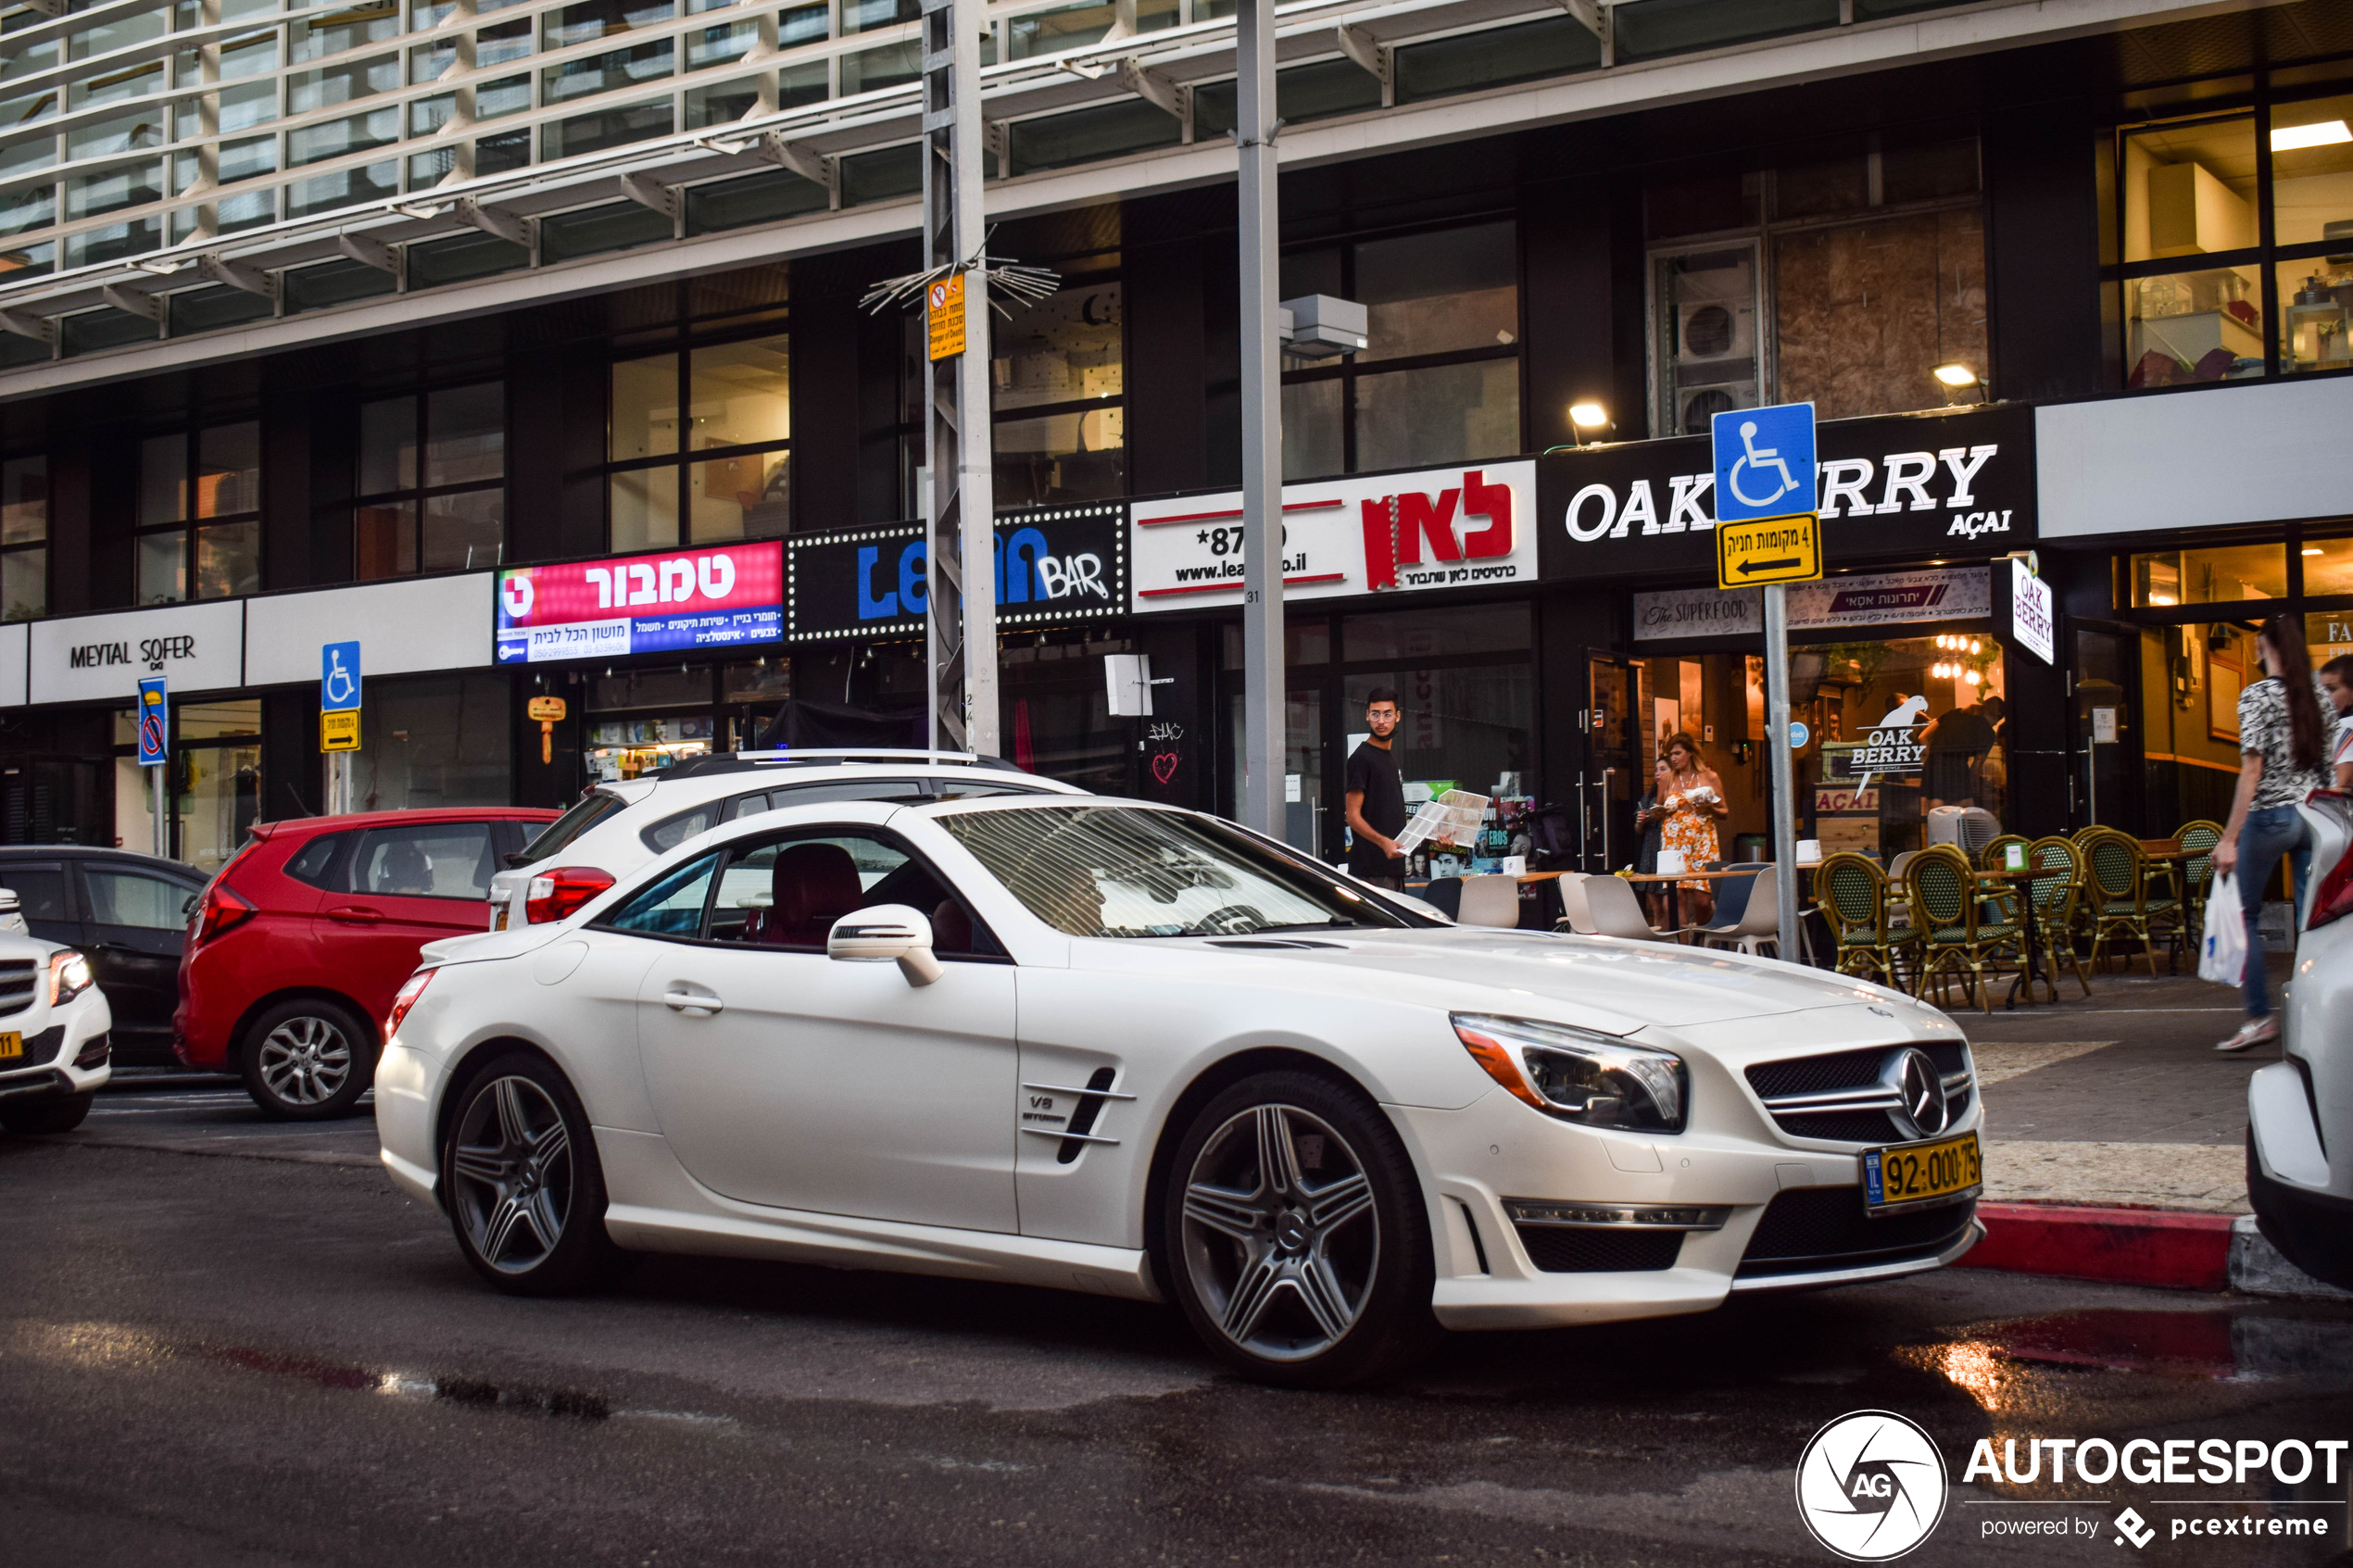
2280 763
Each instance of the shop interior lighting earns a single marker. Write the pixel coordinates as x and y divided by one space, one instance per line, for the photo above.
2312 549
2319 133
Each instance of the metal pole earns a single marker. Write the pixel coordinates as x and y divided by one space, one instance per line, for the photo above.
163 834
1791 939
960 607
1262 708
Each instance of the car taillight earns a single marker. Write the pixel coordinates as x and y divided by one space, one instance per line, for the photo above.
556 894
219 911
411 989
2333 900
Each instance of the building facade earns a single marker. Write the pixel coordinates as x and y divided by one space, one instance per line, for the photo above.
454 329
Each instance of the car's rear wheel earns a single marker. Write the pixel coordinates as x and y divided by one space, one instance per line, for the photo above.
521 1183
308 1059
1294 1236
54 1113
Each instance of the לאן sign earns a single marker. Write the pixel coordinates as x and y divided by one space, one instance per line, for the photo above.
1438 528
723 595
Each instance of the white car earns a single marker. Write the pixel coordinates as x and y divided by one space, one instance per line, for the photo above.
2300 1110
1116 1047
617 827
54 1023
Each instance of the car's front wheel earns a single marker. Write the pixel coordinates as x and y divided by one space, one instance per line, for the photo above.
1294 1235
521 1183
308 1059
52 1113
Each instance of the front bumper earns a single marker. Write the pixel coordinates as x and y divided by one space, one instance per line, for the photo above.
1795 1220
67 1049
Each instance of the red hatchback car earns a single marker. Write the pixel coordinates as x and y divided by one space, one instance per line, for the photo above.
299 943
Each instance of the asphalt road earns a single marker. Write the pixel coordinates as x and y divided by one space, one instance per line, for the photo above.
237 1343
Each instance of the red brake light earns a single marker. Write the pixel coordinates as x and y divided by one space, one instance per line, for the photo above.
220 909
556 894
411 989
2333 900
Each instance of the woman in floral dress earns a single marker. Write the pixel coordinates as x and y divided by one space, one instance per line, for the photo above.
1693 797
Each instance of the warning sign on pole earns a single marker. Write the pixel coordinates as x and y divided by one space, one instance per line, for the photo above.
944 316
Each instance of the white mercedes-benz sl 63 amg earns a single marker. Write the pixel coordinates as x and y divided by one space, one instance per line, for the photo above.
1110 1046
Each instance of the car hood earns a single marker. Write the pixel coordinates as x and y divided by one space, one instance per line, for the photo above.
1607 984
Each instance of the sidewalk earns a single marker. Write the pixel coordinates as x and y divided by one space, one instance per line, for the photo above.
2118 1098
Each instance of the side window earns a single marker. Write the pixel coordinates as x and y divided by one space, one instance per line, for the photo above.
429 861
316 861
748 806
40 890
787 893
671 832
135 899
672 905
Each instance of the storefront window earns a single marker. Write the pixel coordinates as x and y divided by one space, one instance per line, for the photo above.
2312 170
1900 729
2189 188
1438 382
24 536
1059 378
434 740
728 404
2328 566
2328 635
1057 715
2229 575
430 473
2199 326
2316 309
643 721
199 529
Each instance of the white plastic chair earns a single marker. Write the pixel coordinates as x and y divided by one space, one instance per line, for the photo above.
1490 900
1606 906
1759 922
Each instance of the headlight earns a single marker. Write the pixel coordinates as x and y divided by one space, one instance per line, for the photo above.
1577 1074
68 977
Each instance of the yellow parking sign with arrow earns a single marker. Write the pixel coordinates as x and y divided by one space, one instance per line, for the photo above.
1773 549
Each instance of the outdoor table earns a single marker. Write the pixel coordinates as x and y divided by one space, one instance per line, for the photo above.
2024 893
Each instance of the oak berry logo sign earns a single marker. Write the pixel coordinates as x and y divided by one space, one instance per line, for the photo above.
1871 1485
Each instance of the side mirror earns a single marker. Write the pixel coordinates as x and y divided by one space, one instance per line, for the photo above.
885 933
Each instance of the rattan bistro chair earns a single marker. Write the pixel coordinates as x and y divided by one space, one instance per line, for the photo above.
2057 900
1959 937
2116 881
1852 895
2198 873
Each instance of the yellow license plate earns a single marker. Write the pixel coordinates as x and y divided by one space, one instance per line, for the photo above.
11 1046
1921 1173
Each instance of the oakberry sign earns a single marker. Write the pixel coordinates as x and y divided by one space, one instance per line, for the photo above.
1957 482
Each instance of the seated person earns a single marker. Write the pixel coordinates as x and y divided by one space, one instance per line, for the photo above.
812 886
403 869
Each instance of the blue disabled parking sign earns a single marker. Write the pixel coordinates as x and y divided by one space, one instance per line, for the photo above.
338 677
1764 463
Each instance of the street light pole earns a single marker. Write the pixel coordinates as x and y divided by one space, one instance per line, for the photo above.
961 608
1262 759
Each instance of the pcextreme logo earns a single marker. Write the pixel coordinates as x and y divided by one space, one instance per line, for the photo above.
1871 1485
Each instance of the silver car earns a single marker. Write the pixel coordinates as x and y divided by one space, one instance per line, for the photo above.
2299 1110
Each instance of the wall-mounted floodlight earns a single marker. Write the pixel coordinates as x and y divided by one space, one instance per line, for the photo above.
1317 326
1960 384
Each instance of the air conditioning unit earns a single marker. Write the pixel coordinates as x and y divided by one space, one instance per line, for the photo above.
1696 406
1715 318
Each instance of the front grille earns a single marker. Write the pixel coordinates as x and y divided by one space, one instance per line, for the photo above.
1807 1230
1837 1095
1599 1250
18 980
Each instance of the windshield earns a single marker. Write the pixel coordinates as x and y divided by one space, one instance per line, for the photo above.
1121 871
584 813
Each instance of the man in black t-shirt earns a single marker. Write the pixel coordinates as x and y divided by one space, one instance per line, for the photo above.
1376 796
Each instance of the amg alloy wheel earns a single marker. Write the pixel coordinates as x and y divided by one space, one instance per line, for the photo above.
1296 1230
308 1059
521 1182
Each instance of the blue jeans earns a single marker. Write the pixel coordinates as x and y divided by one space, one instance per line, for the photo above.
2264 837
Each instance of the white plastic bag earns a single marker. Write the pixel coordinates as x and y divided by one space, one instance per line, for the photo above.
2223 956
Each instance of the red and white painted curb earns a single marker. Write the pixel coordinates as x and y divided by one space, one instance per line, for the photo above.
2171 1250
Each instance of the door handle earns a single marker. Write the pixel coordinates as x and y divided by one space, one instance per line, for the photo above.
692 1001
356 914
